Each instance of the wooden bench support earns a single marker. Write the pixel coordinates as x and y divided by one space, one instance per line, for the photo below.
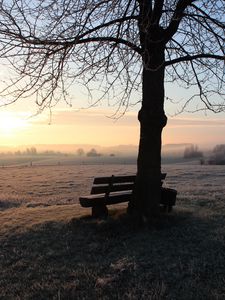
99 211
168 199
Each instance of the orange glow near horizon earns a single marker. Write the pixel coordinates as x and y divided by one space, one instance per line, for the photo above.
94 127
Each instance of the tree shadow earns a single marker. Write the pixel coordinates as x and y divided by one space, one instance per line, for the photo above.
7 204
180 257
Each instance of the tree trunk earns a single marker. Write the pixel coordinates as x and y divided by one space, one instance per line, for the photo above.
147 193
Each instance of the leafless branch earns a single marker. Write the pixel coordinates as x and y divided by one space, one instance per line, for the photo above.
50 47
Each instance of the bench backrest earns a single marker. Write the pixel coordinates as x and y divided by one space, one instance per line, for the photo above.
106 185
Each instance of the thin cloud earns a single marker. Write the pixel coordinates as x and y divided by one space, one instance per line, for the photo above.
104 117
195 122
85 116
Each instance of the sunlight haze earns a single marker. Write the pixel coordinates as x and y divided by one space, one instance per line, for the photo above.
96 126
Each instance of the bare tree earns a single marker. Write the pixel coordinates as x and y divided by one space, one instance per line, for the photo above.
80 151
118 47
192 152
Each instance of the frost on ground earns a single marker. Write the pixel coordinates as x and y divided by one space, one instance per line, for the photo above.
51 249
51 185
199 186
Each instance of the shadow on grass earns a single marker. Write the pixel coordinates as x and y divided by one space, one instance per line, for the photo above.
180 257
9 204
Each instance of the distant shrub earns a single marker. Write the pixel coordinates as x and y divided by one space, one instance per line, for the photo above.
218 155
93 153
219 150
31 151
80 152
192 152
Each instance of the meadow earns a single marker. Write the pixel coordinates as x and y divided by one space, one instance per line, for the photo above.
50 248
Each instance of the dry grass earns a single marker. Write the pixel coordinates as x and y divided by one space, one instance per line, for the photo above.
59 252
22 219
56 253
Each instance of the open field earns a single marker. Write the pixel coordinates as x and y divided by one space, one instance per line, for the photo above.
51 249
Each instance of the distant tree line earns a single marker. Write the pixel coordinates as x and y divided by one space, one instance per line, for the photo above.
91 153
192 152
217 155
32 151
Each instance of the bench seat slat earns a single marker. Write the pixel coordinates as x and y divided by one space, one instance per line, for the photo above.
94 200
119 179
100 189
114 179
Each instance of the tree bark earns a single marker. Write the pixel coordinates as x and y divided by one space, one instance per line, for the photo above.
147 193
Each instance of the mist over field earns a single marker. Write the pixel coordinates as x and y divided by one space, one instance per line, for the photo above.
28 155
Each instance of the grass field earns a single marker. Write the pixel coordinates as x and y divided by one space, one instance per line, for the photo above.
51 249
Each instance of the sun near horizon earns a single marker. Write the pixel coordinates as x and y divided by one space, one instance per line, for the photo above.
11 124
94 126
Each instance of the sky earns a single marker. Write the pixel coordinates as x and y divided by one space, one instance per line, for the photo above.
95 126
72 125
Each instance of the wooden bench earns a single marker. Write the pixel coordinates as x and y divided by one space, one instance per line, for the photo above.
117 189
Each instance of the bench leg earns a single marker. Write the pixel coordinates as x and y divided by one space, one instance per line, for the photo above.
170 208
99 211
166 208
